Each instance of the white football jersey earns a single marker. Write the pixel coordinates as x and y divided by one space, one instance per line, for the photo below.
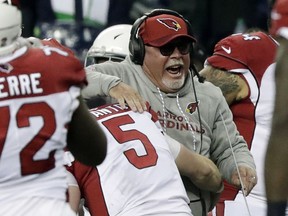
139 175
38 95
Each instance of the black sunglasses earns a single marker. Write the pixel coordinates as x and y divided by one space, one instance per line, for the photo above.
184 47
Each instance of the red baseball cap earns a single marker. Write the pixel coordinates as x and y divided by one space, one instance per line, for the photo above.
160 30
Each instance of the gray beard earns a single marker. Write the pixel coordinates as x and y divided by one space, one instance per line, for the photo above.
176 85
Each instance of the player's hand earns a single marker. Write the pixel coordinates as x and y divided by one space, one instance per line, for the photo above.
279 19
248 177
125 94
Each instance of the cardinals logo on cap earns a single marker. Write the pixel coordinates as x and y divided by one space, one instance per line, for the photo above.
191 107
170 23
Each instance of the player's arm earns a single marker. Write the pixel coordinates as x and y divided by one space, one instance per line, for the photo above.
86 140
74 197
73 191
233 87
199 169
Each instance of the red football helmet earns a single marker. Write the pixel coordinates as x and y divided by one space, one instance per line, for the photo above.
279 19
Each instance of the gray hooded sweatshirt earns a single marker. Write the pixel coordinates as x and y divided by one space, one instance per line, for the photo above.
176 111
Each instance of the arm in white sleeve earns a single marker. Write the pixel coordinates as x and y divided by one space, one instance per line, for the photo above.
73 191
199 169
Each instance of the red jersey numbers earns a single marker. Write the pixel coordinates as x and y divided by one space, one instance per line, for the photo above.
23 115
140 162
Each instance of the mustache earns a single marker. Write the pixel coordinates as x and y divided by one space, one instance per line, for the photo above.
175 62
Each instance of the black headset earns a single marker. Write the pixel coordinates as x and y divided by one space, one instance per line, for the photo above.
136 44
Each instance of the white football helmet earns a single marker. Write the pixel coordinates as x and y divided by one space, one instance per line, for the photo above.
6 1
111 44
10 25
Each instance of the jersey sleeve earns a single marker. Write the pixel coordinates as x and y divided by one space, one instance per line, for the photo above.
67 61
54 43
241 53
174 145
71 181
63 67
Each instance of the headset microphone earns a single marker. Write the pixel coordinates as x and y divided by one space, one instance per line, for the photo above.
194 71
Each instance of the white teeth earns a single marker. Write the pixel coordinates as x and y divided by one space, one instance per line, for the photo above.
174 69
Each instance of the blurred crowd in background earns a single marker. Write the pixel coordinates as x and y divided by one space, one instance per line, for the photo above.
76 23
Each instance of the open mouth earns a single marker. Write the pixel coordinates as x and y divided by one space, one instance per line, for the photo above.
175 69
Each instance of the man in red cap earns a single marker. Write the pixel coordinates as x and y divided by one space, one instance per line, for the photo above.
276 172
158 68
242 65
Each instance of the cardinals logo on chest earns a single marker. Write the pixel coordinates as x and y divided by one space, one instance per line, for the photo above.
192 107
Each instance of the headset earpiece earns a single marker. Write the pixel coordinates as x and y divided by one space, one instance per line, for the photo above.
136 44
